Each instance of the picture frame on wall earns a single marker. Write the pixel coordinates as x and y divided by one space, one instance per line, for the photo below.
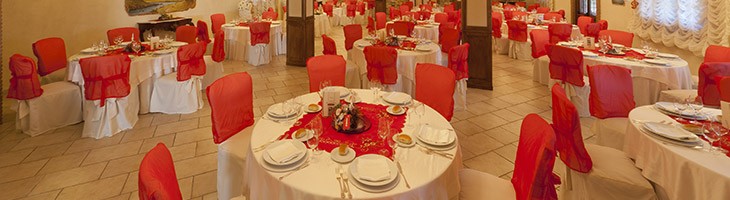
617 2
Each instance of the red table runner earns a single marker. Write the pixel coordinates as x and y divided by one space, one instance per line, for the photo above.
724 142
631 53
145 48
367 142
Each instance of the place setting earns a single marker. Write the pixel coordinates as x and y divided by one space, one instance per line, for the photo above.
282 112
285 155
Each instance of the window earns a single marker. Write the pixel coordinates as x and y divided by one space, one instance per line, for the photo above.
587 8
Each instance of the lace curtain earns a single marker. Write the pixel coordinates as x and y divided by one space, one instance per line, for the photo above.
688 24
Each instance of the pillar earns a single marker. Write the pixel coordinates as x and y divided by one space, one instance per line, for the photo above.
476 15
381 5
300 31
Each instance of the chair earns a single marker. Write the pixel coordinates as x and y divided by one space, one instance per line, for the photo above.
127 33
403 8
592 171
543 10
435 87
41 108
380 20
350 13
583 21
507 6
216 21
231 114
500 41
401 28
724 85
448 8
51 54
213 65
326 67
203 32
458 63
533 7
604 24
353 32
381 64
515 15
566 67
715 53
441 17
592 30
610 101
521 4
371 25
619 37
186 34
394 13
519 47
532 177
179 93
424 15
454 17
715 64
111 104
559 32
426 7
448 38
361 8
551 16
409 4
328 9
541 65
157 178
328 44
259 52
270 15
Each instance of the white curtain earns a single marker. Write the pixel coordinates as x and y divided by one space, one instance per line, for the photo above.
688 24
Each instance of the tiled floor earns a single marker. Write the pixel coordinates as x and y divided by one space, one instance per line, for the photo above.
62 165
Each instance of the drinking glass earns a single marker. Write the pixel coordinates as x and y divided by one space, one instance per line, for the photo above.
413 33
118 40
716 131
324 84
384 127
136 47
695 104
313 143
376 87
681 106
393 145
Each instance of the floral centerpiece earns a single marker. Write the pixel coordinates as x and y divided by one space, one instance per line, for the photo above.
347 118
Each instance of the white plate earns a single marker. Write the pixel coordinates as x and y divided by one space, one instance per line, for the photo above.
568 44
306 136
663 139
228 25
437 148
423 48
669 109
344 92
374 189
641 51
349 156
163 52
363 44
178 44
390 110
451 139
663 130
656 62
306 109
274 168
397 98
89 50
413 141
589 54
299 145
276 111
391 165
667 55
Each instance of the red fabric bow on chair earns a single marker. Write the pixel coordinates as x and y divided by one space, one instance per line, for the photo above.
203 31
517 30
381 64
231 105
190 61
566 64
559 32
24 83
458 61
219 52
260 32
105 77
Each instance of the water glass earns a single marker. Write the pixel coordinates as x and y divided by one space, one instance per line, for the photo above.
384 127
313 143
324 84
695 104
681 106
715 133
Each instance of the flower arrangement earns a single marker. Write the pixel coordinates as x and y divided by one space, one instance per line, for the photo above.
347 118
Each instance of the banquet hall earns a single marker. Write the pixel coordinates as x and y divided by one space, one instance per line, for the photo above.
365 99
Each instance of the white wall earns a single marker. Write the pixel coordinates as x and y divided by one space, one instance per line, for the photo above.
79 22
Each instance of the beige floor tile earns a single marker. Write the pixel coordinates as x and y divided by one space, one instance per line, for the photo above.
64 162
164 119
488 121
490 163
176 127
21 171
186 187
44 196
508 152
15 157
508 115
183 151
204 122
193 136
206 147
480 143
19 188
101 189
197 165
44 139
204 183
211 196
59 180
152 142
91 143
467 128
48 151
144 121
123 165
123 196
132 183
6 146
112 152
138 134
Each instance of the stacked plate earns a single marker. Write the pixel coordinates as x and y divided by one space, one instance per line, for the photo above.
373 173
344 92
668 108
671 133
436 138
397 98
279 112
423 48
656 62
178 44
589 54
284 155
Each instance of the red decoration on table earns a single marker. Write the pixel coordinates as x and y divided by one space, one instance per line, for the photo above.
724 141
631 53
367 142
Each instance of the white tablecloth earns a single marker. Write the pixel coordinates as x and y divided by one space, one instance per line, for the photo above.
430 176
430 32
505 29
339 16
238 40
683 173
322 25
406 65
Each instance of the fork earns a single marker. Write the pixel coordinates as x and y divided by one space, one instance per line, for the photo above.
295 170
346 180
431 151
339 179
263 146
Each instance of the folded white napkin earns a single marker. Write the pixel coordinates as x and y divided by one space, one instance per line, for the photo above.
373 169
398 98
284 152
669 131
437 136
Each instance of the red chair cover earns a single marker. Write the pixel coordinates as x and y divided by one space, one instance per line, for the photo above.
353 32
105 77
316 5
453 16
259 32
540 38
283 8
231 105
543 10
517 14
361 8
562 13
270 9
508 15
619 37
566 124
533 7
271 15
401 28
448 39
604 24
458 61
394 13
612 91
371 25
326 67
521 4
583 21
507 6
125 32
498 15
559 32
404 8
328 8
441 17
533 177
553 16
186 34
496 27
157 178
566 64
708 87
329 45
24 83
592 30
445 25
203 31
435 87
724 88
716 53
219 52
216 21
426 7
425 15
190 61
381 64
351 8
51 54
380 19
448 8
517 30
409 4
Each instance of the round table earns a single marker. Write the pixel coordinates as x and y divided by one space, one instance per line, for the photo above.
407 60
238 40
426 31
430 176
682 172
321 25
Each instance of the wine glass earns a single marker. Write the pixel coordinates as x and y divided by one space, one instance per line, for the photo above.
384 127
413 33
313 143
136 47
695 104
715 133
375 87
392 32
118 40
419 109
393 145
324 84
